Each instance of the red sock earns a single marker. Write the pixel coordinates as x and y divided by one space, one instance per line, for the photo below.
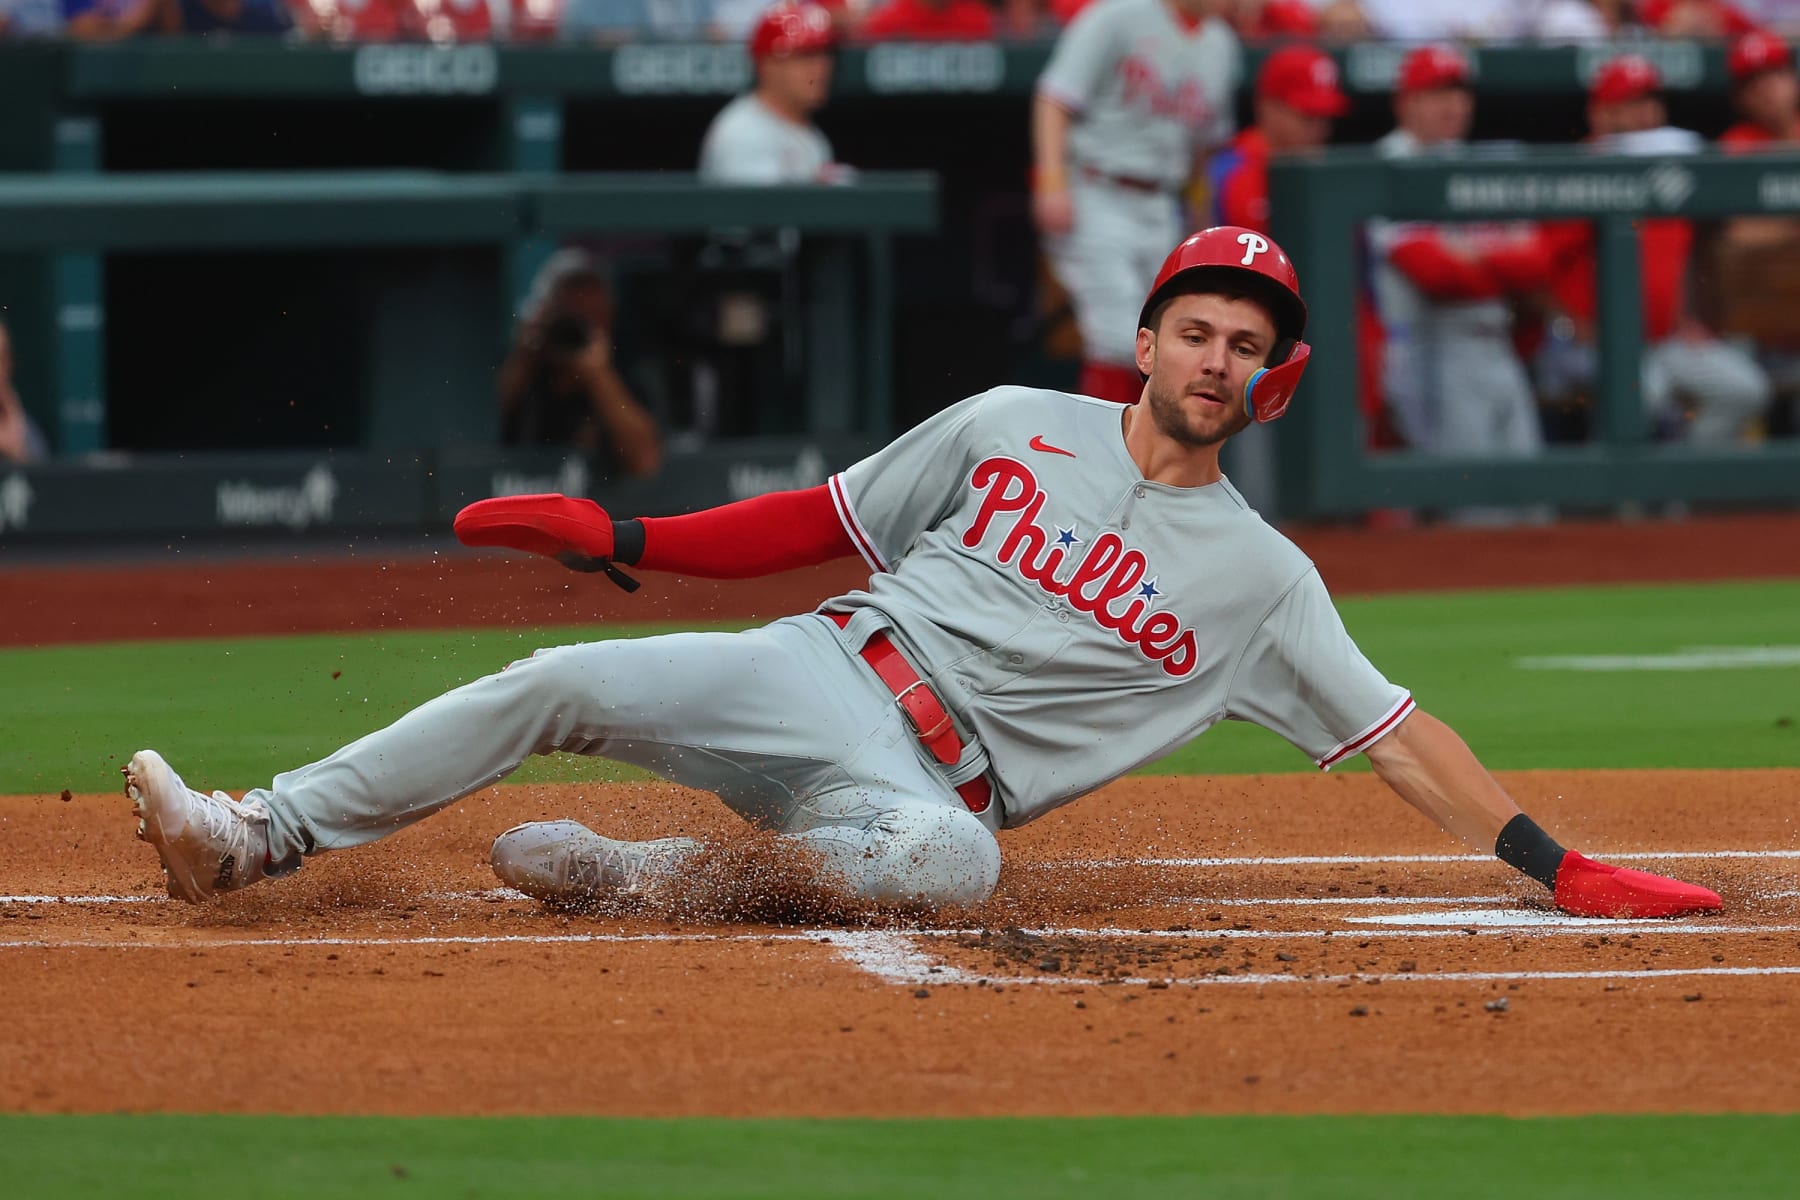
1105 381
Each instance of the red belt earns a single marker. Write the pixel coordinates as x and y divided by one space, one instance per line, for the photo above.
1128 182
926 714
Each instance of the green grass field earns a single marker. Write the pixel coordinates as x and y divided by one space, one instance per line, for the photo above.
231 713
1343 1158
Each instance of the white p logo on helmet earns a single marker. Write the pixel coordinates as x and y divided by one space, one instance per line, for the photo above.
1253 244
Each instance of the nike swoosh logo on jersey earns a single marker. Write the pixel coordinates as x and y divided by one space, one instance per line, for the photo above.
1038 443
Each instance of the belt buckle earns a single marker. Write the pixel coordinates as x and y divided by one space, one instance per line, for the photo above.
924 735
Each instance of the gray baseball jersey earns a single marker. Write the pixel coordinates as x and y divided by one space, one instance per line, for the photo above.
1148 91
1081 621
746 143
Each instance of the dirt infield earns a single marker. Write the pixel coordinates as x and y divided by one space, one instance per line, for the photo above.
1144 954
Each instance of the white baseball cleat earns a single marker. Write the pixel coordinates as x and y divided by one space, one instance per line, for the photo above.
564 862
208 844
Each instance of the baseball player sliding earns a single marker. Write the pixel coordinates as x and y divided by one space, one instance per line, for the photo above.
1060 590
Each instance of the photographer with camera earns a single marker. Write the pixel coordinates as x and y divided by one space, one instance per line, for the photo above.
558 385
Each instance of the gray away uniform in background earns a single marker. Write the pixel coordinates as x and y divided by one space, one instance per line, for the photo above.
1452 378
1147 95
748 144
1076 620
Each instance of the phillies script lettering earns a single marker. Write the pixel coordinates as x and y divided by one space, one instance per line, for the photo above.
1143 84
1097 584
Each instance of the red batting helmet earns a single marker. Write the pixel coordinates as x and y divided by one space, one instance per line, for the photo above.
1430 67
1755 53
1305 78
1627 77
1243 258
791 27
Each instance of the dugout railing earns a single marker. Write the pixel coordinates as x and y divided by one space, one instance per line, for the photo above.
847 286
1319 211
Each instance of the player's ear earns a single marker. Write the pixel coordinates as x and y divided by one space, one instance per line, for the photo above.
1146 351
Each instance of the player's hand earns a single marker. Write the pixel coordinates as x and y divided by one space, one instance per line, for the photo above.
576 533
1053 211
1585 888
595 358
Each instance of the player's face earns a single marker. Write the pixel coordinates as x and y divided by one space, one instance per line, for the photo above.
803 80
1627 116
1437 114
1770 99
1204 350
1287 128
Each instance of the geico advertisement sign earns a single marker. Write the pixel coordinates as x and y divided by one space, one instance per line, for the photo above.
426 70
684 70
947 67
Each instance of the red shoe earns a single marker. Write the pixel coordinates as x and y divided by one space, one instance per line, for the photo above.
1585 888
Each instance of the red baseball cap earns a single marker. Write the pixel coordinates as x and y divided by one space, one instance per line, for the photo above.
1628 77
1304 78
1431 67
792 27
1757 52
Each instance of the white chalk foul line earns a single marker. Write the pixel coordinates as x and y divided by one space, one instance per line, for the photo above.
840 938
84 899
494 894
1358 860
1327 901
895 959
1528 927
1496 918
1262 980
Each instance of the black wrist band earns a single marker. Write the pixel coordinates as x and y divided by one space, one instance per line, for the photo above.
1525 847
628 541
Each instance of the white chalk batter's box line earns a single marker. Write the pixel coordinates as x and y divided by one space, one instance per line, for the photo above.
895 957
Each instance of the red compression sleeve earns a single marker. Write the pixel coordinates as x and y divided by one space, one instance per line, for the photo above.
758 536
1520 266
1439 273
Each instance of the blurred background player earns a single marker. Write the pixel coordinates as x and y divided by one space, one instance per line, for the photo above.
1297 99
1765 91
1452 378
1134 96
1759 257
767 135
1695 385
558 385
